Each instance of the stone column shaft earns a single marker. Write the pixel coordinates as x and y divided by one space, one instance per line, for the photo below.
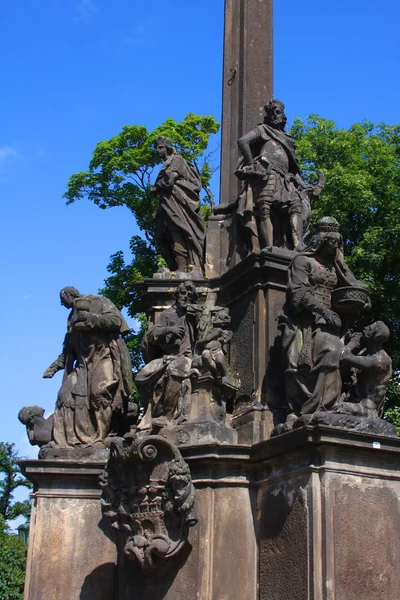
247 79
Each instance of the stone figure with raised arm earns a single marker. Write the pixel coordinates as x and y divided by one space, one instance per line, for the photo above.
97 369
180 228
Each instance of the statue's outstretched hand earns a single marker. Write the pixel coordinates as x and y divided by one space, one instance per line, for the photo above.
48 374
346 354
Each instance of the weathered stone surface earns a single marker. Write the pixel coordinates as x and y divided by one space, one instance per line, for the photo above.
378 427
38 429
312 324
69 555
187 381
310 514
180 228
254 292
329 516
283 542
253 423
234 540
96 386
247 79
148 497
366 562
274 203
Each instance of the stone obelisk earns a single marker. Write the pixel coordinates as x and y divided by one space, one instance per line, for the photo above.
247 79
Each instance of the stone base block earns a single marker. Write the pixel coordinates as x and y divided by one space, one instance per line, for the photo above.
253 424
329 517
311 514
206 432
69 555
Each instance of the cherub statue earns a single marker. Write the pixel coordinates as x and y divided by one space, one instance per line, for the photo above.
212 345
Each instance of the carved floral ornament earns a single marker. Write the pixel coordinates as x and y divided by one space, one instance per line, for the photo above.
148 497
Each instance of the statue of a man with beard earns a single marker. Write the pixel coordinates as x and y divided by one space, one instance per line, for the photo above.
165 381
275 203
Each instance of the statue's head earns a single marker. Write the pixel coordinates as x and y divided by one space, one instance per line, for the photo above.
27 414
68 295
327 237
275 114
378 332
163 147
186 293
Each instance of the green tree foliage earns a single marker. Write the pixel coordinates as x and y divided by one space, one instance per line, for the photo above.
11 478
362 167
121 170
12 564
121 173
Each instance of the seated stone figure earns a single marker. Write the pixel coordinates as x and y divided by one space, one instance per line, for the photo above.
165 381
371 371
186 380
314 320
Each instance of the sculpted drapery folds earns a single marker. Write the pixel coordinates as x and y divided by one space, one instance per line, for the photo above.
180 231
97 371
165 381
321 293
186 356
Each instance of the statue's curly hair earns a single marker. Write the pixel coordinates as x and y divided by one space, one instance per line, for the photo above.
166 141
382 332
269 106
189 287
71 291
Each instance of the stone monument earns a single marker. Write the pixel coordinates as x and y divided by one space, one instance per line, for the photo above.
258 466
180 231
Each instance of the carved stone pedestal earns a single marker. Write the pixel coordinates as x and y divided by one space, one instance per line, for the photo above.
69 556
254 291
208 421
313 513
253 423
329 516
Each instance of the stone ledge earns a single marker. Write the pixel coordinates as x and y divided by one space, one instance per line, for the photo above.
307 449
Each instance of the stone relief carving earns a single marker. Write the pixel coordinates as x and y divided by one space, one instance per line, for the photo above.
165 382
323 297
180 232
148 497
187 375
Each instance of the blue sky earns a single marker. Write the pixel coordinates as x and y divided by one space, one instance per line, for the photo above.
75 71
